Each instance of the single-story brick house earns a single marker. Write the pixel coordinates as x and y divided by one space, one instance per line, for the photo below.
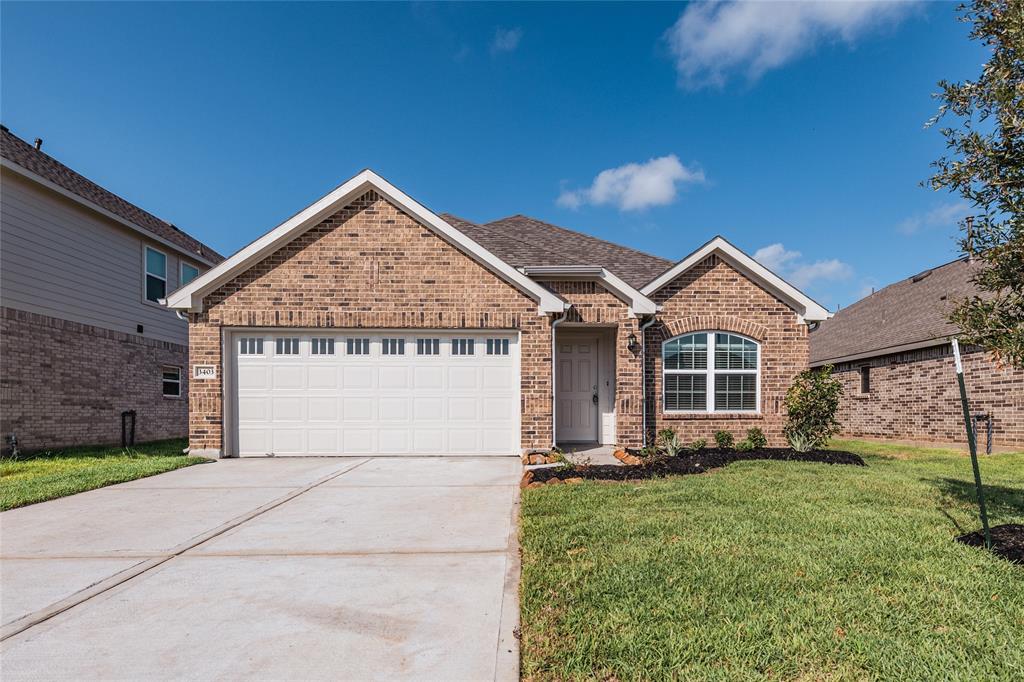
892 352
367 324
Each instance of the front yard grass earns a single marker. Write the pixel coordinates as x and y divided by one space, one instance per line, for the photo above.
49 475
776 570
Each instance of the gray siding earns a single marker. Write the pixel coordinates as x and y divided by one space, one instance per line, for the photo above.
60 259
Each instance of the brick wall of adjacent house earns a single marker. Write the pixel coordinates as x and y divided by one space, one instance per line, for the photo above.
915 396
715 296
63 383
370 265
592 304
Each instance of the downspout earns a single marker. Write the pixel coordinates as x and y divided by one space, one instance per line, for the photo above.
643 373
554 373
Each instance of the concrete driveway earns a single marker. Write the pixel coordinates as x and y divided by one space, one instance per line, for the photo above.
379 568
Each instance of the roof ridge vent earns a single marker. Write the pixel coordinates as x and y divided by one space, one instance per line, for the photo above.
919 276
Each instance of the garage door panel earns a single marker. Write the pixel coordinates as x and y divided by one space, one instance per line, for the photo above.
375 403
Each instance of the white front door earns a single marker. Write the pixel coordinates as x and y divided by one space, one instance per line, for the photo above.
375 392
576 389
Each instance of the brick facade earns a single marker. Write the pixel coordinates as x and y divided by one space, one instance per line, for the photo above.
714 296
915 396
63 383
370 265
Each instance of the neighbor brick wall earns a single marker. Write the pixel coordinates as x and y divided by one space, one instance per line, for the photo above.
714 296
915 396
592 304
370 265
64 383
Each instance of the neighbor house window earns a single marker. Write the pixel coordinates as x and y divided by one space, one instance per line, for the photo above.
250 345
497 346
865 379
321 346
286 345
172 382
710 372
188 273
156 275
462 346
428 346
393 347
357 346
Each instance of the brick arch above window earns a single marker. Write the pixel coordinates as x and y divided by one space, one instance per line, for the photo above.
723 323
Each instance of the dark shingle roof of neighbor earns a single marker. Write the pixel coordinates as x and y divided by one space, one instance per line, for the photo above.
17 150
522 241
913 310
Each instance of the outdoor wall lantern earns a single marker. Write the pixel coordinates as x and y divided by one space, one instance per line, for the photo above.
632 345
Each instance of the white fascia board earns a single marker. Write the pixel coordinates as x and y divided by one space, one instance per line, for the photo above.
190 297
40 180
806 307
638 303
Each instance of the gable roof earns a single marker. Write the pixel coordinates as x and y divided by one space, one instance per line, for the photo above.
190 297
808 308
23 158
911 312
527 242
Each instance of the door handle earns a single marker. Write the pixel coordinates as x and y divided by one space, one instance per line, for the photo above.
595 399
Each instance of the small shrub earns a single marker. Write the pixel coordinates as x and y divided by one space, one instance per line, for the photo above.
670 442
699 444
744 445
757 438
811 405
649 451
723 439
800 442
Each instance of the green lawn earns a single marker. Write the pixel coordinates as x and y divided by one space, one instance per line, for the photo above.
46 476
776 570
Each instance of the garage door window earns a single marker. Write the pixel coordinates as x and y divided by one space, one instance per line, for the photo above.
393 347
250 345
286 346
319 346
357 346
428 346
462 347
497 346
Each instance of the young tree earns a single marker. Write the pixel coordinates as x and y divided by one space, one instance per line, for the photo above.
985 165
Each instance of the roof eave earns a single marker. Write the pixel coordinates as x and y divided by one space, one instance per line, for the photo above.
639 304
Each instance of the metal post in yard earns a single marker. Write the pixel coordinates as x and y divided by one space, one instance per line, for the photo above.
971 442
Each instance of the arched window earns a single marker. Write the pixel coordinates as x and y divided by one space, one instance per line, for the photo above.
711 372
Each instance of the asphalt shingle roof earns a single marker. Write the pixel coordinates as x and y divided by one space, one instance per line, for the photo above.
17 150
912 310
522 241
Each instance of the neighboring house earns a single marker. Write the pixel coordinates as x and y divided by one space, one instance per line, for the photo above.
366 324
84 336
893 354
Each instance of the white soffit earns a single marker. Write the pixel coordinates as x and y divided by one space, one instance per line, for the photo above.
190 297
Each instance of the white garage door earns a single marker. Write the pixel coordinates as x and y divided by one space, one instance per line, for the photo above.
376 393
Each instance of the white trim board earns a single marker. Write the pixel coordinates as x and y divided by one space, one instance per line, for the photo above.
190 297
638 303
804 305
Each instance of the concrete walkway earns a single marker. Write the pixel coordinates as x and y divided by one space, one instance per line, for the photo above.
380 568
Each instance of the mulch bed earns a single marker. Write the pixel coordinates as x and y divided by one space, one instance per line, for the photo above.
1007 541
690 463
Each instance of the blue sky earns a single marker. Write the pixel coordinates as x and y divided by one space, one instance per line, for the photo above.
793 130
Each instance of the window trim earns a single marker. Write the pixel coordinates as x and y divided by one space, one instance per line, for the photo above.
710 372
181 272
164 380
146 248
864 377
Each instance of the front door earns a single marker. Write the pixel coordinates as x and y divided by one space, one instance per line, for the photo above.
576 390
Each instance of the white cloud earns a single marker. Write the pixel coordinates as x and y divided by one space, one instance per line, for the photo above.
634 186
506 40
788 265
946 215
711 40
